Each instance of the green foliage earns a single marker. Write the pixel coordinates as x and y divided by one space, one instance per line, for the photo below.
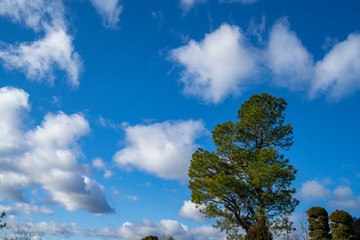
341 226
283 226
246 182
150 237
2 216
356 228
318 223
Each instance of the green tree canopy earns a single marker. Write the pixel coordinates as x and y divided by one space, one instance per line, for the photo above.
318 223
246 182
150 237
341 225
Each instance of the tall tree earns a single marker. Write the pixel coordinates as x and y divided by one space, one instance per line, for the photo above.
246 183
318 223
341 225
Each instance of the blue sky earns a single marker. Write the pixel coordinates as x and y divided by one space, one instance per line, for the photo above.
103 102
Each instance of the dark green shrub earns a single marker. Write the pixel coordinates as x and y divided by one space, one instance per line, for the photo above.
150 237
341 225
318 223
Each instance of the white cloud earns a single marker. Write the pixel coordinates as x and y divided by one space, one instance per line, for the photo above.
344 198
127 231
286 57
186 5
341 197
25 208
348 204
164 227
37 59
62 230
343 192
131 197
163 149
55 50
224 64
47 157
13 103
109 10
241 1
108 123
189 210
313 190
218 66
100 165
35 14
338 73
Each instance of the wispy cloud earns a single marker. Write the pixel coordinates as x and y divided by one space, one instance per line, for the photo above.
39 59
25 208
109 10
55 50
100 165
186 5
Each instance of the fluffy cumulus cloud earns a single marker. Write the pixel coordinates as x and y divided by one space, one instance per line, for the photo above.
14 104
286 57
219 65
45 156
163 149
55 50
189 210
164 227
109 10
127 231
314 190
344 198
338 73
341 197
224 63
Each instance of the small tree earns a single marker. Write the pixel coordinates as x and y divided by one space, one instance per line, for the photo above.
246 183
2 225
318 223
284 227
304 226
150 237
341 228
